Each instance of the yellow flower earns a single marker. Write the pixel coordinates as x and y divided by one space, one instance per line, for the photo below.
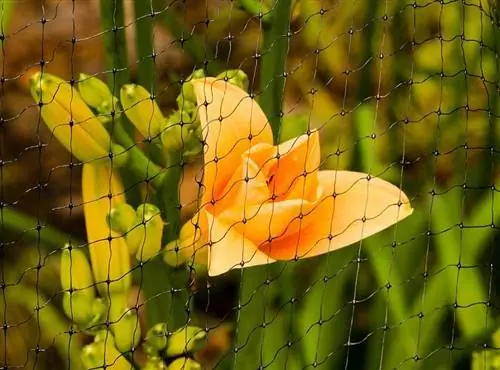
69 118
101 190
263 203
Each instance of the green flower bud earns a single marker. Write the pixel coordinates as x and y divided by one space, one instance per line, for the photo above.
94 91
120 155
145 238
236 77
293 126
76 274
141 110
156 337
107 107
184 363
78 307
180 133
85 138
121 218
99 312
172 138
109 111
154 363
191 247
186 101
103 354
124 323
185 340
172 255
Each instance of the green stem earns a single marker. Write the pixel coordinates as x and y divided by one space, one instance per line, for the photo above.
256 8
5 15
167 286
144 43
146 62
16 221
139 165
272 70
113 26
194 46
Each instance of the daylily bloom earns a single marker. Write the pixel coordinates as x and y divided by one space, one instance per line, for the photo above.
262 203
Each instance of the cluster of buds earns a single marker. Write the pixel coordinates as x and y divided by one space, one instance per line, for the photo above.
87 119
175 348
141 228
94 314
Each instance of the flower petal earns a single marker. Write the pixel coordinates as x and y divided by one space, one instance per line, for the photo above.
291 166
354 206
270 220
246 188
229 249
231 122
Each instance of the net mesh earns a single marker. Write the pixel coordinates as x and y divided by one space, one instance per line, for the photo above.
141 202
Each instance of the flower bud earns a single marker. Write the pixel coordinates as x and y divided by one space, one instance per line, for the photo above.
124 323
69 118
156 337
172 138
102 354
102 190
76 275
184 363
181 133
78 307
120 155
145 238
236 77
154 363
99 312
186 100
191 247
172 255
94 91
142 110
109 110
121 218
185 340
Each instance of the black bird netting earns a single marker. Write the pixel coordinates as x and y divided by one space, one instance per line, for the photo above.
252 184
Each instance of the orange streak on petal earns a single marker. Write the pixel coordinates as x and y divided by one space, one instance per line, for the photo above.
360 208
296 169
291 166
231 123
269 220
